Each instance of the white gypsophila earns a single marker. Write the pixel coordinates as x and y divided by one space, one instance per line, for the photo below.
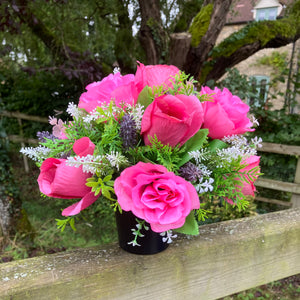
205 172
136 112
240 146
73 110
230 154
203 187
116 70
199 155
255 121
37 153
89 163
133 243
236 140
116 159
167 236
92 116
257 142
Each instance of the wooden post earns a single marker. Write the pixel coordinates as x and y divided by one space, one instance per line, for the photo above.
225 258
25 159
296 197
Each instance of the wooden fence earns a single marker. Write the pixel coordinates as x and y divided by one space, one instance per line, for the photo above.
293 188
225 258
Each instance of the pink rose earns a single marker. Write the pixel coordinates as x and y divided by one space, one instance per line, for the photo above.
245 187
154 75
159 197
225 114
173 119
58 180
115 86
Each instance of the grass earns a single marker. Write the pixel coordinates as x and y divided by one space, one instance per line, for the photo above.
95 228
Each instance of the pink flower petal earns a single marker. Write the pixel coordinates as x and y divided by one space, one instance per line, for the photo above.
84 146
77 207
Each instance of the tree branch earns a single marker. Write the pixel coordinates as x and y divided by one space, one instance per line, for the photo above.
152 36
246 42
197 56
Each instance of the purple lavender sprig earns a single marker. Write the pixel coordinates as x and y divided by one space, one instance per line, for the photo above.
190 172
42 135
128 132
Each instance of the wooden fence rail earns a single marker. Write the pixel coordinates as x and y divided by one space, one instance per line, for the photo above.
293 188
226 258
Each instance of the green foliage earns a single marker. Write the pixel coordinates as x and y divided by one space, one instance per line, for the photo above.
40 94
103 186
190 226
61 224
217 210
194 143
277 60
238 84
200 24
188 11
165 155
7 184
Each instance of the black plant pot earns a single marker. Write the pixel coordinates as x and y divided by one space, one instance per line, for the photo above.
150 243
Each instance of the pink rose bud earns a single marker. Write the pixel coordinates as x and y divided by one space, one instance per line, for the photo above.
173 119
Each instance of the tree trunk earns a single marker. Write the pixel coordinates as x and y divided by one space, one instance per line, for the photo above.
197 56
179 47
152 36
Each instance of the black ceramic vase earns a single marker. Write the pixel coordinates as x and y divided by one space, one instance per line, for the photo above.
150 243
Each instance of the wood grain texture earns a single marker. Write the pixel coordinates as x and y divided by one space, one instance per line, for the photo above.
280 149
278 185
225 258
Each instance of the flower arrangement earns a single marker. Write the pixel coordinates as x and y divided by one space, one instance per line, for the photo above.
150 143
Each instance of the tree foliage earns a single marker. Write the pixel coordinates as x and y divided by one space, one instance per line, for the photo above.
85 39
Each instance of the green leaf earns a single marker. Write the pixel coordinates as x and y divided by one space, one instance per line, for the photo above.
144 97
72 224
217 144
107 178
194 143
190 226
